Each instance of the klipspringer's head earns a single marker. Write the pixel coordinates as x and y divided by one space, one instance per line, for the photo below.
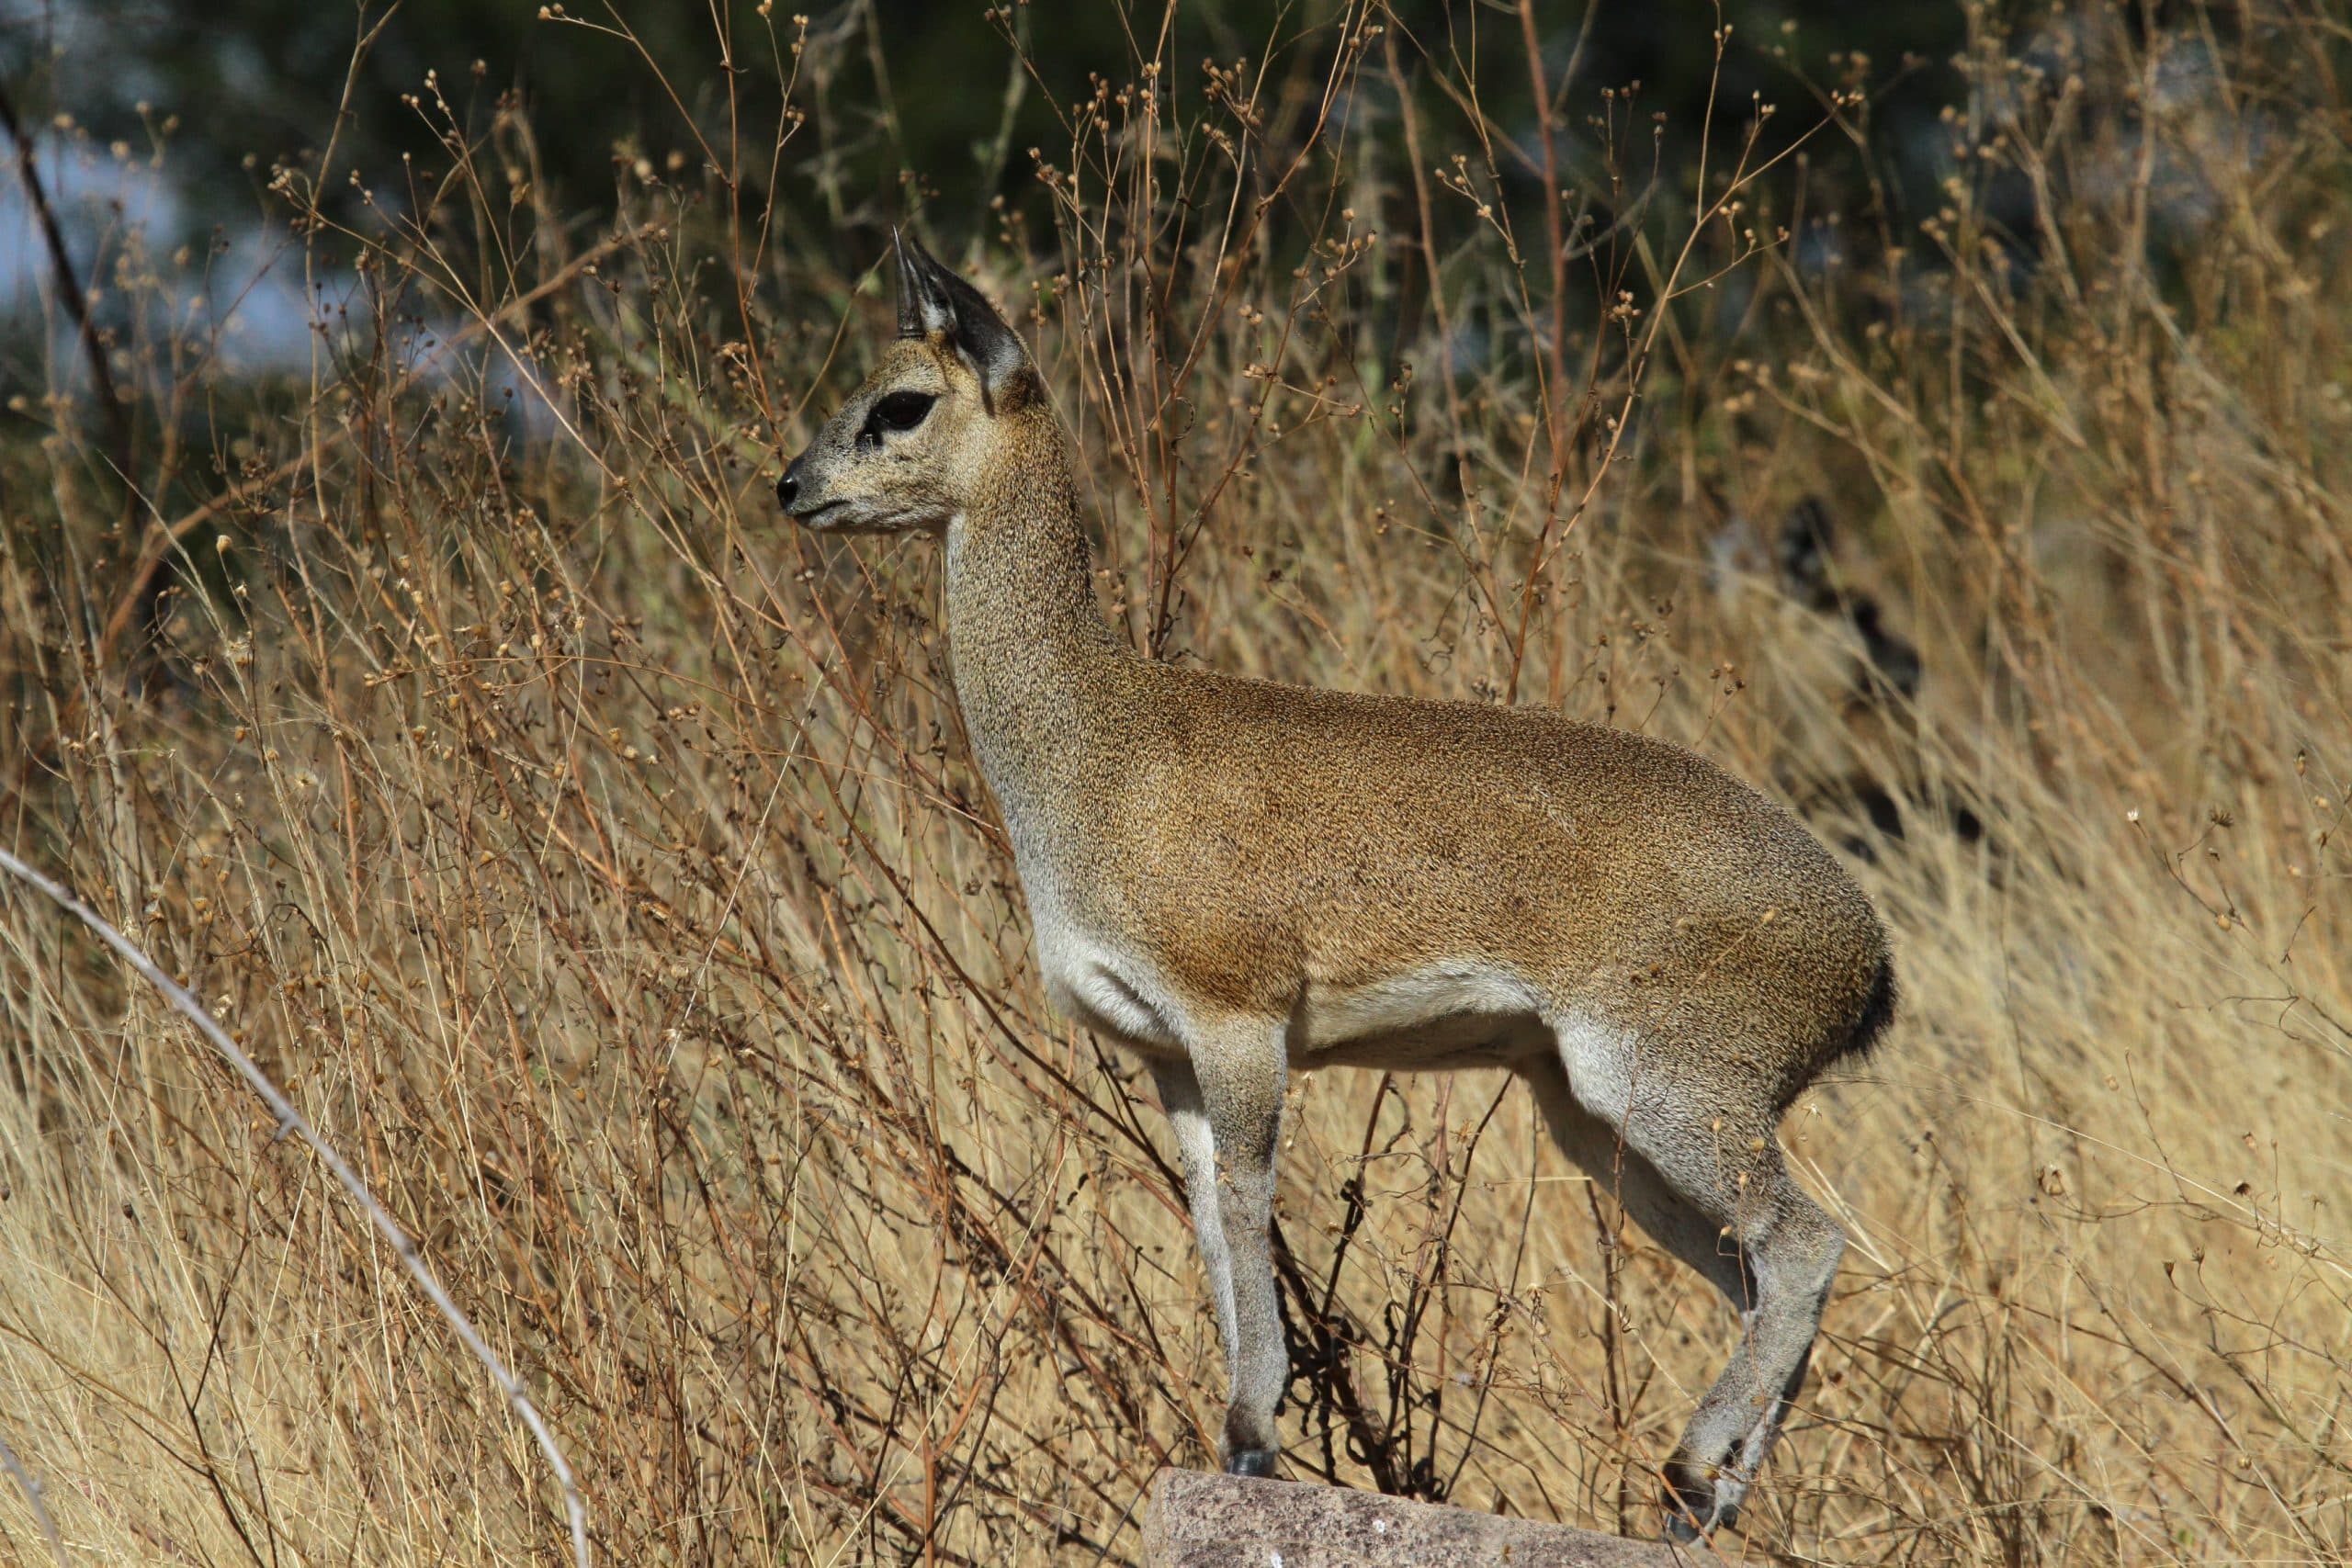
906 450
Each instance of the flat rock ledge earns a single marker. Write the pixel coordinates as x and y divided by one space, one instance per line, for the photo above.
1197 1521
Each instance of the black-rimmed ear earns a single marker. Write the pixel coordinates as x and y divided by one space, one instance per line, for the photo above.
934 302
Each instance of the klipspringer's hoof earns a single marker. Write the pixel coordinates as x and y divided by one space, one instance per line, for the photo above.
1251 1461
1680 1531
1694 1508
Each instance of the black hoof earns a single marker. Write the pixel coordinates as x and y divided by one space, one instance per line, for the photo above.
1251 1461
1693 1511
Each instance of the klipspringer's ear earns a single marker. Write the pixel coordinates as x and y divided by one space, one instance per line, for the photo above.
934 302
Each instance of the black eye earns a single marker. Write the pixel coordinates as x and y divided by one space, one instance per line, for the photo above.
900 410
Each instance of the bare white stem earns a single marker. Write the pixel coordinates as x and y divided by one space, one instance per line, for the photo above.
31 1489
292 1120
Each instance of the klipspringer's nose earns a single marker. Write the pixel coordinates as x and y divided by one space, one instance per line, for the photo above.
788 489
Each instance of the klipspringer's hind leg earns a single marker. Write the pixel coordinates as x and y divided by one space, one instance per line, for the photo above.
1225 1103
1702 1174
1791 1248
1605 1153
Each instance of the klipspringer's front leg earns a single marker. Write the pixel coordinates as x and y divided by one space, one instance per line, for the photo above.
1225 1103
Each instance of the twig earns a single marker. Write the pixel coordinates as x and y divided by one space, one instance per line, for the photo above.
292 1120
69 290
26 1483
1555 240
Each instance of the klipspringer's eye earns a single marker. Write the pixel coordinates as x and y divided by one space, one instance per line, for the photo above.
900 410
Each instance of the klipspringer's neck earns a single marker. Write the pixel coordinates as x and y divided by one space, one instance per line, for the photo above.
1030 648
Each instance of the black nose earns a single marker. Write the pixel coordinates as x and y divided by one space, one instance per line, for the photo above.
788 489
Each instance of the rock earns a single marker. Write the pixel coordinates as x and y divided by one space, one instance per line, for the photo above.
1197 1521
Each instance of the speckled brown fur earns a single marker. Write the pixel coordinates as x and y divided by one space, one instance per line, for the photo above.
1233 877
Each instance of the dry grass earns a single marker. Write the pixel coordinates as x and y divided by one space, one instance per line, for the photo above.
601 867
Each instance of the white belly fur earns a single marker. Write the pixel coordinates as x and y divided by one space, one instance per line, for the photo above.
1446 1015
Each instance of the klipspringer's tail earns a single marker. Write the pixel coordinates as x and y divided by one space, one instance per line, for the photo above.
1877 1013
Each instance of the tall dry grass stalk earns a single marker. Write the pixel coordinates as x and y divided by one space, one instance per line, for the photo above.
599 866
